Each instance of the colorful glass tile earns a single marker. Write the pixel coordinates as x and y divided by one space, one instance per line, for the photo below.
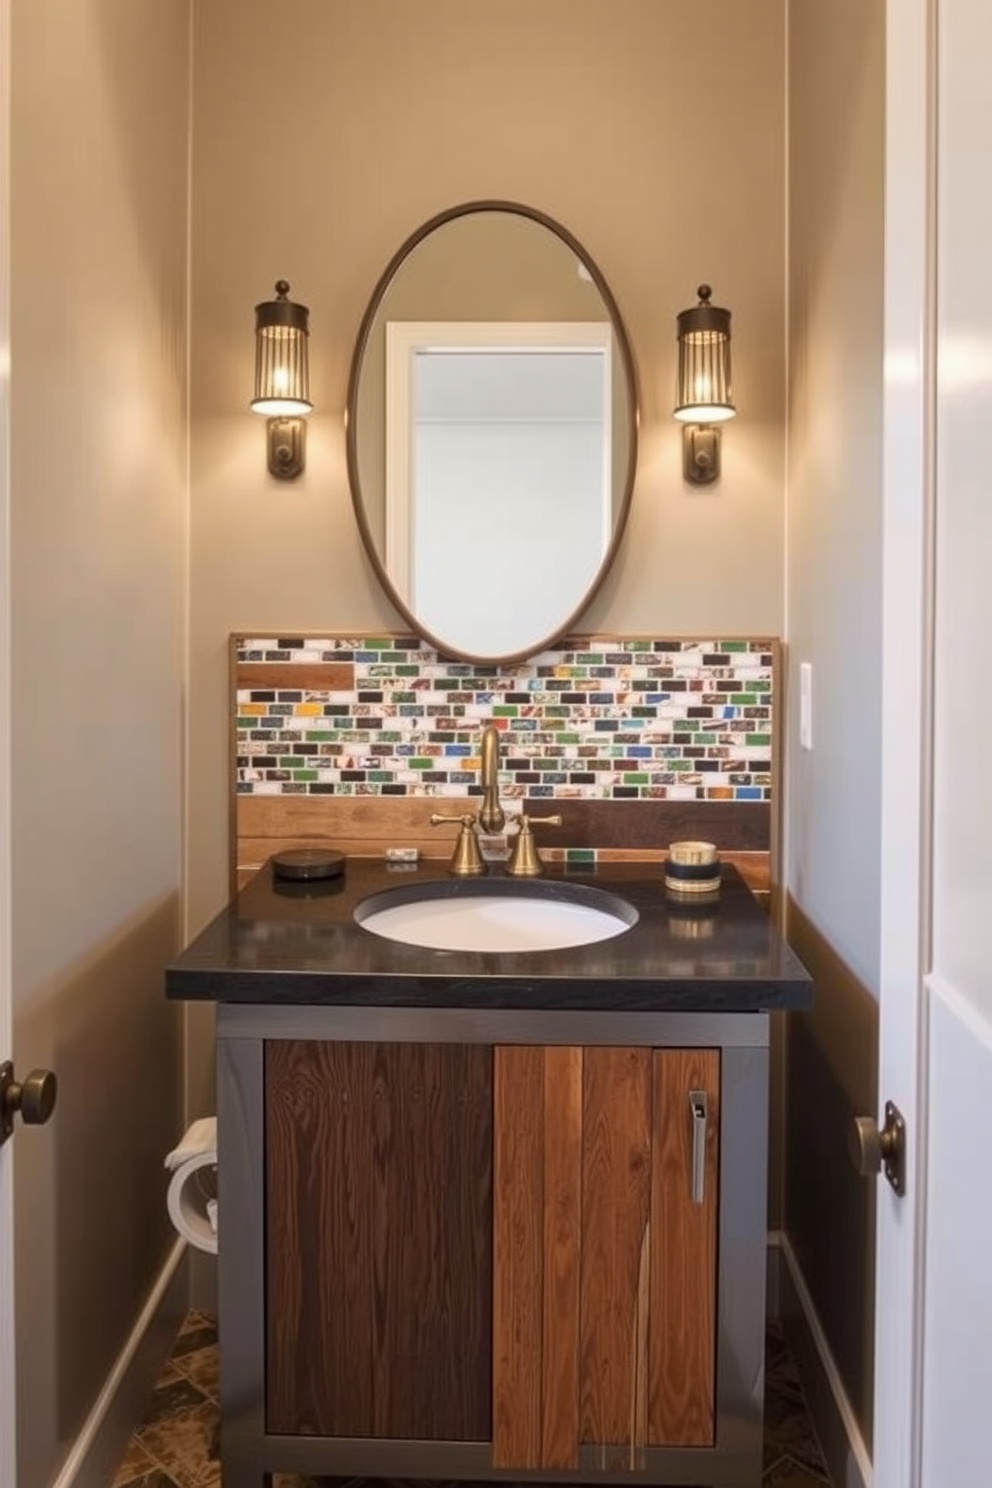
593 719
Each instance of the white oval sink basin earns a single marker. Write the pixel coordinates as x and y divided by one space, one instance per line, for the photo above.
495 916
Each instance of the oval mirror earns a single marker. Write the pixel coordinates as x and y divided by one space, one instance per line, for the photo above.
492 431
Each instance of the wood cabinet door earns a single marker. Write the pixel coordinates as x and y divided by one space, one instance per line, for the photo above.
378 1239
604 1284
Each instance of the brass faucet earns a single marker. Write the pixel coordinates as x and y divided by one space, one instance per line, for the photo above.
466 860
492 817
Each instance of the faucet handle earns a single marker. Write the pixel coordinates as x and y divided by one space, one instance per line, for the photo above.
525 860
466 860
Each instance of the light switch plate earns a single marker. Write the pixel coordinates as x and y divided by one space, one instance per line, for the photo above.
806 704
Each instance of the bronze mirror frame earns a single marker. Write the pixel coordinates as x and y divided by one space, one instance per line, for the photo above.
626 360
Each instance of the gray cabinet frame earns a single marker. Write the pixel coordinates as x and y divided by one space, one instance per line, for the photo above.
250 1455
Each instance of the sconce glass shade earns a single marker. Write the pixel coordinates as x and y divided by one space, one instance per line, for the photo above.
704 394
282 366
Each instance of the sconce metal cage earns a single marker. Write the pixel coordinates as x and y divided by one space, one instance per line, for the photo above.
282 378
704 392
282 366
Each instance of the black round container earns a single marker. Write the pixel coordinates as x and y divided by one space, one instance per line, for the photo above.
307 864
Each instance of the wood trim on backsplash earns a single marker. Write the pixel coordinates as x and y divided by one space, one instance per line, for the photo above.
744 831
365 826
332 676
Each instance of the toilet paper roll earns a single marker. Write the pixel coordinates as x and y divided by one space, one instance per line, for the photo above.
189 1206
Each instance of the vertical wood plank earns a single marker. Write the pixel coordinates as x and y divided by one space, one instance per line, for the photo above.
562 1241
431 1242
518 1198
682 1329
616 1193
379 1235
318 1233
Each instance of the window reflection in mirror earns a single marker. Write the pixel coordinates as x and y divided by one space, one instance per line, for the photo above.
497 444
491 319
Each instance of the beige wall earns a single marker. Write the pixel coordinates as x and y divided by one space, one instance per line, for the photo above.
97 541
325 134
833 608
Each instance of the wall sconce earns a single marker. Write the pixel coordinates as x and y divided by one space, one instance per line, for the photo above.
703 397
282 379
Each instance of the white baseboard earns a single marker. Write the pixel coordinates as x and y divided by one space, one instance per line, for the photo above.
847 1457
96 1453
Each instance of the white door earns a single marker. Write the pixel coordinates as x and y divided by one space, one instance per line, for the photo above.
957 1304
8 1469
933 1372
905 703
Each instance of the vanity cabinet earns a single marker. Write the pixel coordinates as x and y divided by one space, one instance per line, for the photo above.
490 1217
464 1244
513 1245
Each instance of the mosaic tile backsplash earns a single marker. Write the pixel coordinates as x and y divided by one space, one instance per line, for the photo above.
594 719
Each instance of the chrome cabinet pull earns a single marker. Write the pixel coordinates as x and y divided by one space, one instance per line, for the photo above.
697 1112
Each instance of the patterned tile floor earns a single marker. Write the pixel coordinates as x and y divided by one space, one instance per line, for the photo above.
175 1445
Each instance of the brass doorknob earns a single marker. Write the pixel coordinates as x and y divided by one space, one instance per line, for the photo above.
34 1098
871 1150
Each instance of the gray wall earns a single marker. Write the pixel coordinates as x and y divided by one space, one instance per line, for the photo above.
97 542
833 620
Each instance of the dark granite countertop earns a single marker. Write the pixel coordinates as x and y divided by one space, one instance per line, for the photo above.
286 944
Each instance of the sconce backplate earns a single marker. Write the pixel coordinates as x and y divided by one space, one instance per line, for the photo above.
700 454
287 439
